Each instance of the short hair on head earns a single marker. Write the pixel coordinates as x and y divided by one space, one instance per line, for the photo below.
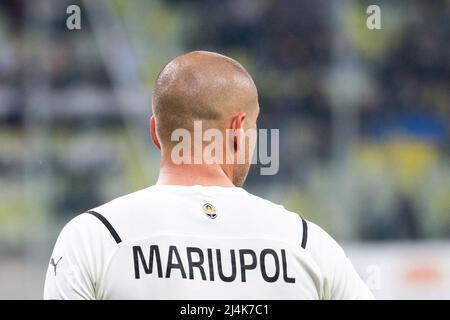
200 85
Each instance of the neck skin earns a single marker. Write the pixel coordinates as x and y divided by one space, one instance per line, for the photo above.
193 174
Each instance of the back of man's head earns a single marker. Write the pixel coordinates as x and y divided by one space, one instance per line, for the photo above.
202 86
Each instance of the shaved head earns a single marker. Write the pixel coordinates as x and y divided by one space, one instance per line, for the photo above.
204 86
201 85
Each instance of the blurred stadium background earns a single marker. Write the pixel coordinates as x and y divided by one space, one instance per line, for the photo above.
364 119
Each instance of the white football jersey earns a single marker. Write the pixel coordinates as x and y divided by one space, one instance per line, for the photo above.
197 242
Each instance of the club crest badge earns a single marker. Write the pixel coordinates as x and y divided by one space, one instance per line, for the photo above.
210 210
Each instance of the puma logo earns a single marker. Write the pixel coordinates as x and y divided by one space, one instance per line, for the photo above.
52 262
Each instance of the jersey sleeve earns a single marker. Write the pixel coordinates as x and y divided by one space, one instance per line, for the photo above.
341 281
69 274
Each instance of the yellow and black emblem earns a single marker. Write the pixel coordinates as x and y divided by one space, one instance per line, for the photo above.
210 210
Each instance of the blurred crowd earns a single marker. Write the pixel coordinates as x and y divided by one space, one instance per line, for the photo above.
330 84
364 115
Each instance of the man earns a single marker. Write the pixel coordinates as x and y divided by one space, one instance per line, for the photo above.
197 234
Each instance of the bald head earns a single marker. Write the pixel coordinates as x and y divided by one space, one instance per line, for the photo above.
201 85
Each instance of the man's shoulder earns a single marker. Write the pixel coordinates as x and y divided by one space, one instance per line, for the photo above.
273 208
93 219
127 202
323 248
82 230
319 244
315 239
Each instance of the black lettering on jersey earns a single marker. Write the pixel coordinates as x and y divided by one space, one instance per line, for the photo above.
266 265
264 254
286 278
210 265
173 251
195 264
233 266
138 255
245 266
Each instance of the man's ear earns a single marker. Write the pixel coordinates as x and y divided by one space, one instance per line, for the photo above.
153 132
237 126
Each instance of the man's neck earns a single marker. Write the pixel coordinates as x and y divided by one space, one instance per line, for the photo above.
194 174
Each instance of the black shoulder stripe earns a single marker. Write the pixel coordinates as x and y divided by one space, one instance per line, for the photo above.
107 225
305 233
